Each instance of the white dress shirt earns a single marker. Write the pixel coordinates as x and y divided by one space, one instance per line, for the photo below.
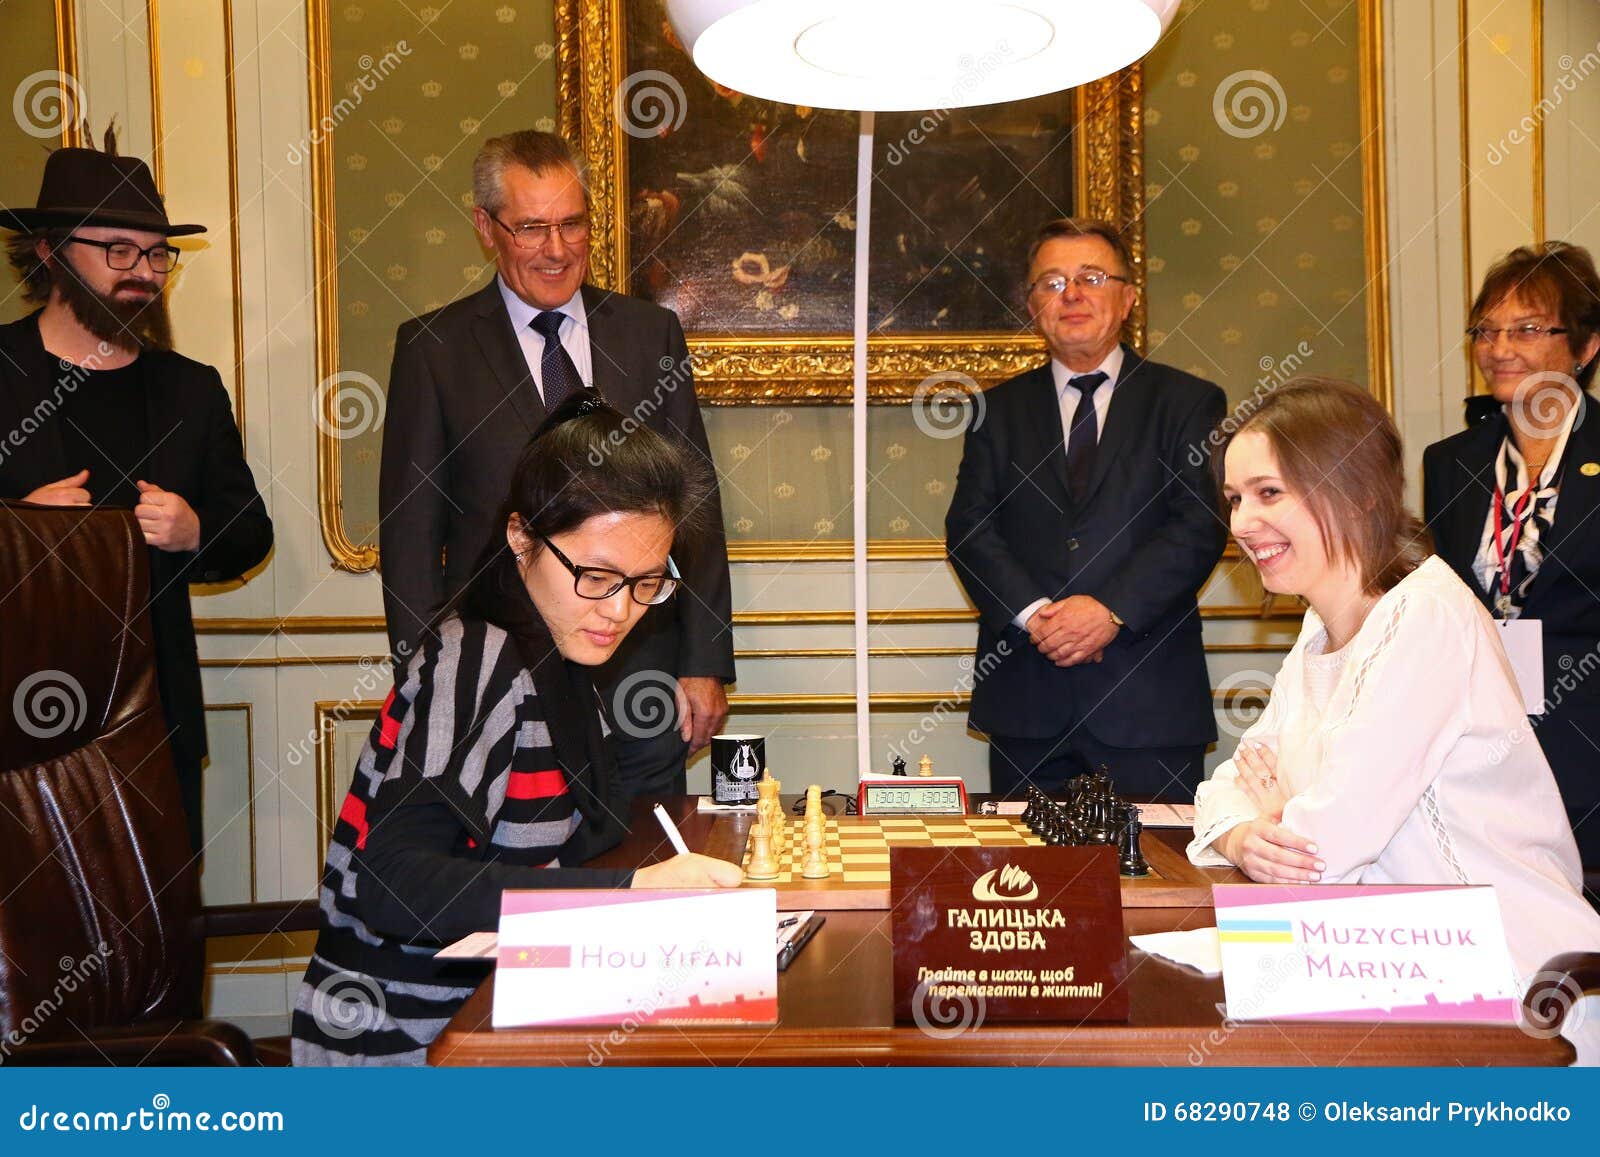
1068 397
574 334
1407 759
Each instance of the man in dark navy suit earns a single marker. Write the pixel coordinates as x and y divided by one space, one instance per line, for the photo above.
471 383
1084 523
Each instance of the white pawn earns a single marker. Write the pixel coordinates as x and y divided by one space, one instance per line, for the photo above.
816 863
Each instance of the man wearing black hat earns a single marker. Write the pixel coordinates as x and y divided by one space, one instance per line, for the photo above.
96 409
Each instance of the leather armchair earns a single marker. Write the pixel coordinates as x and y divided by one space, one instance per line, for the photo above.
102 935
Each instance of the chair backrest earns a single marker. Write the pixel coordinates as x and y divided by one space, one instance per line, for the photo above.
98 896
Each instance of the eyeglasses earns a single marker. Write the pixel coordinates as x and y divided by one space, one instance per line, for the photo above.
1519 334
535 234
124 255
1055 284
595 582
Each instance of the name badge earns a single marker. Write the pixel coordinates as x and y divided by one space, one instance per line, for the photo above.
1354 952
629 957
1523 640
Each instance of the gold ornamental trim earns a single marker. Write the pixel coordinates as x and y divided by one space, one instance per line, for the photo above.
817 369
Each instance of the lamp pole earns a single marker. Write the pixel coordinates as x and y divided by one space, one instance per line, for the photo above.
858 464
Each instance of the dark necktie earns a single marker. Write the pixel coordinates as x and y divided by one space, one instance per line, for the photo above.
1081 436
556 372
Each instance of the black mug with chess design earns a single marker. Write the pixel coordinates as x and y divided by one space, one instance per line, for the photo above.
736 765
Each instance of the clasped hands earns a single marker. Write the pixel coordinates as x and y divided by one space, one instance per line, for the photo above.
1072 630
1263 848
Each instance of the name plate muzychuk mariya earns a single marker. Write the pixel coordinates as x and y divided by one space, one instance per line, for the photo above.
1008 933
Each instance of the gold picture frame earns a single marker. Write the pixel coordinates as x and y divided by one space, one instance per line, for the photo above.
800 369
817 368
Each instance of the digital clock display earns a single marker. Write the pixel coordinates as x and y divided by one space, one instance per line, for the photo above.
940 799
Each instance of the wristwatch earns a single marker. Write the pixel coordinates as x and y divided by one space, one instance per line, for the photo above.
1116 618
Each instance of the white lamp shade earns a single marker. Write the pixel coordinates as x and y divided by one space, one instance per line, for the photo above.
909 55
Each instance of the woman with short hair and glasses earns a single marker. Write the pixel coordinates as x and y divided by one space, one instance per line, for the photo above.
487 768
1511 500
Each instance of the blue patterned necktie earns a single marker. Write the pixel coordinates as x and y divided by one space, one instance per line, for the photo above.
557 373
1081 436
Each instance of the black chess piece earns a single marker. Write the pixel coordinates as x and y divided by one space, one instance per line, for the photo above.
1100 830
1130 856
1030 813
899 765
1057 834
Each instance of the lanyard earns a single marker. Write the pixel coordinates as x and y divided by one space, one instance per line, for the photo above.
1504 552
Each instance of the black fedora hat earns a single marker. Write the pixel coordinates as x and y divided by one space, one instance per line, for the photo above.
88 187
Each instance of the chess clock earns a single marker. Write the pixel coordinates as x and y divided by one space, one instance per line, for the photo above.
912 797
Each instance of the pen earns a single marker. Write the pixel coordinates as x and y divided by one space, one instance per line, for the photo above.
672 831
789 921
789 951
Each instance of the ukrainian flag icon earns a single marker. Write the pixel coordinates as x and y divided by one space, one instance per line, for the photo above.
1255 931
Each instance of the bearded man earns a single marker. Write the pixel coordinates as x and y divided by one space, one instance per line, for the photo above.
97 410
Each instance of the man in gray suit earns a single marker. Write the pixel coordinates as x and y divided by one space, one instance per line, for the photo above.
470 384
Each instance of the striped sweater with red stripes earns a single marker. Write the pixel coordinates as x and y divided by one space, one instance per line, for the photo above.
484 771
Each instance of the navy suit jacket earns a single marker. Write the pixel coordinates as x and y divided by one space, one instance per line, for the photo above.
462 406
1457 489
1143 542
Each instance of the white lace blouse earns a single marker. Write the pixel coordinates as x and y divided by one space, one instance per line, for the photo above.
1407 759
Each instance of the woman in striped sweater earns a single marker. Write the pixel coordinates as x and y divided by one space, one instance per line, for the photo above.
487 768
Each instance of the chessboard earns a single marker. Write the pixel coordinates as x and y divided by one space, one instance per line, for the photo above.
857 851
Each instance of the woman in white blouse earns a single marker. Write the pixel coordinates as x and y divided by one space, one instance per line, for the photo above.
1394 748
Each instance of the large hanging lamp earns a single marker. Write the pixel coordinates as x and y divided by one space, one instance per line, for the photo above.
871 56
910 55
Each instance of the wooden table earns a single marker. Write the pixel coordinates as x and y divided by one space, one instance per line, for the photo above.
836 1007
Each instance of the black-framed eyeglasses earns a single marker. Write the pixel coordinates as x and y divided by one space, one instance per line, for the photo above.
124 255
1055 284
535 234
1519 334
597 582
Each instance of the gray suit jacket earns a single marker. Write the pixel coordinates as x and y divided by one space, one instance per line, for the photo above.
462 405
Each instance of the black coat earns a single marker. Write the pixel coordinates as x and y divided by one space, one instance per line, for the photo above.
1142 542
195 451
462 405
1457 490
